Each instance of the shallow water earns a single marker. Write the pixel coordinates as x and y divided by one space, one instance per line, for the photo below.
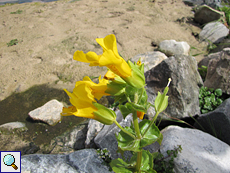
17 106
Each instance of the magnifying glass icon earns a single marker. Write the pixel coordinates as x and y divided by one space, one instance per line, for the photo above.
9 160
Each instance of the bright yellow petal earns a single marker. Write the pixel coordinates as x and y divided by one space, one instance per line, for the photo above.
86 112
83 92
90 57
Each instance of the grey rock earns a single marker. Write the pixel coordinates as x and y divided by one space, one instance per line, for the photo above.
13 125
150 59
172 47
193 2
217 122
214 32
218 74
223 44
200 153
71 140
106 137
211 3
49 112
183 90
82 161
206 14
94 127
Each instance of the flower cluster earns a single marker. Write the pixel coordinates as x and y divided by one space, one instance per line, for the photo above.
125 81
119 76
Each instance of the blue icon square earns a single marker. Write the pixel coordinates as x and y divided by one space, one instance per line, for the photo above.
10 161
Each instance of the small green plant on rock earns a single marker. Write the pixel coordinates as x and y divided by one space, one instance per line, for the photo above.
104 154
166 164
209 99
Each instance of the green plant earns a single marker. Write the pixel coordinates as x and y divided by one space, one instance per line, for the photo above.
12 42
166 164
203 71
16 12
209 99
104 154
226 11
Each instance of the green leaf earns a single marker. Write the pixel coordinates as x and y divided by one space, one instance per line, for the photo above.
213 98
124 110
120 166
152 135
218 92
126 142
136 107
146 161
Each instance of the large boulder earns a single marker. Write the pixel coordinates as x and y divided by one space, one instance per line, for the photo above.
219 71
201 152
214 32
206 14
82 161
217 122
183 90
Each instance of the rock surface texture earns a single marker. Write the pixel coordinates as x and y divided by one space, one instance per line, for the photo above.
172 47
183 90
82 161
218 74
214 32
200 153
206 14
217 122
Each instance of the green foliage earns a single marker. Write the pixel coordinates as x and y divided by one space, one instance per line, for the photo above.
226 11
126 142
165 164
119 165
16 12
203 71
209 99
12 42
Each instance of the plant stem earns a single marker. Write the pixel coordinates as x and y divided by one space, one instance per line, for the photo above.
154 118
137 130
125 131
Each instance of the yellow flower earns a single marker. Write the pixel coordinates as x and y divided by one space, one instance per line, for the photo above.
84 104
110 57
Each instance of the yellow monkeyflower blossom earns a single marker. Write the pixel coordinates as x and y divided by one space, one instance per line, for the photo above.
84 104
110 57
130 73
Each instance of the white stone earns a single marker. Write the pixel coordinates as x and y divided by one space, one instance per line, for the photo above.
49 112
172 47
201 152
13 125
